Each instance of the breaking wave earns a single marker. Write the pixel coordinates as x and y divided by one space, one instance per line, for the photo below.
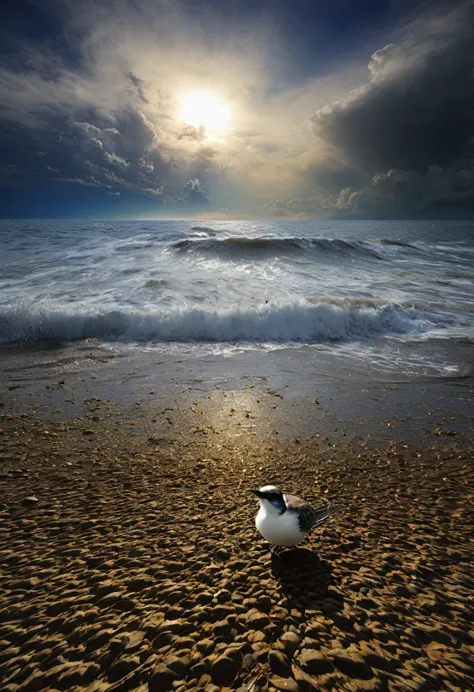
238 247
300 321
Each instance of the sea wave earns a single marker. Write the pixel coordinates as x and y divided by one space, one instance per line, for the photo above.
300 321
238 247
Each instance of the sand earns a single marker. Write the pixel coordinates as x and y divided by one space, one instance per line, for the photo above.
130 561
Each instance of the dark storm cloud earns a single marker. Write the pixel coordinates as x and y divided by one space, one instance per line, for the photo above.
410 130
418 108
437 193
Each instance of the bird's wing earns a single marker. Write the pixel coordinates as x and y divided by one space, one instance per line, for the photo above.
309 517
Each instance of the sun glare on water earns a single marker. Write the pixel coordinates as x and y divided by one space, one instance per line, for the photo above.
202 109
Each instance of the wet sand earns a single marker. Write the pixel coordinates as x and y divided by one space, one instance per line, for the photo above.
129 557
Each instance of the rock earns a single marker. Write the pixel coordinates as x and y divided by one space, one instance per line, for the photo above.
124 604
264 603
223 596
110 598
221 611
224 670
236 651
351 664
314 663
122 667
29 501
222 628
177 664
205 646
257 620
221 555
284 683
174 626
79 675
279 663
163 638
290 642
204 681
140 583
134 640
162 678
204 597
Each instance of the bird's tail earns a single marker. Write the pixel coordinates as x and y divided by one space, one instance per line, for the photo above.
323 514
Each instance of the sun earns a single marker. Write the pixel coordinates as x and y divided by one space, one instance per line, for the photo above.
203 109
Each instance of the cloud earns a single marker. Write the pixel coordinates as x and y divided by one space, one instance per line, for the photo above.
193 198
90 181
417 108
103 102
437 193
98 106
401 145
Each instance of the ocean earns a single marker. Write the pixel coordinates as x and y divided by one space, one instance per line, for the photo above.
397 296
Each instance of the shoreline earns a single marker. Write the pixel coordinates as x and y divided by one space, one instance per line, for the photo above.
131 560
291 392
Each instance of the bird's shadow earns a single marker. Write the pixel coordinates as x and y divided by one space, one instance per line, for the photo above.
304 578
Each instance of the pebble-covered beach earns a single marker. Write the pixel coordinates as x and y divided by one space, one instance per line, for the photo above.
130 561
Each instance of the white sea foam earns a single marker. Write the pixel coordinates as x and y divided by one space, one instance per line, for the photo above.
300 321
181 287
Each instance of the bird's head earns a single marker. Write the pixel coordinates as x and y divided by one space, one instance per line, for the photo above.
271 498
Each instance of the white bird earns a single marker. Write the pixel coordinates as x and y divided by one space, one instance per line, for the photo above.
286 520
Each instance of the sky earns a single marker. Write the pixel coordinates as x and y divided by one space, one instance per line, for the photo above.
306 109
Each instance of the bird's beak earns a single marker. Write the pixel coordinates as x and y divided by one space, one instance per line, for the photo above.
256 492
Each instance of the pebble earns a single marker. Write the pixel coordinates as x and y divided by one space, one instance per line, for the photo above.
290 642
257 620
350 664
124 597
162 678
29 501
314 663
224 671
284 684
279 663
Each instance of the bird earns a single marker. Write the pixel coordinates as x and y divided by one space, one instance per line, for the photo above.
286 520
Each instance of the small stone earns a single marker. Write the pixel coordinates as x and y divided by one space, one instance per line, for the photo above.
284 683
223 596
173 626
79 675
162 678
140 583
224 670
257 620
222 555
205 646
222 628
279 663
134 640
29 501
264 603
290 642
314 663
204 597
177 664
351 664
